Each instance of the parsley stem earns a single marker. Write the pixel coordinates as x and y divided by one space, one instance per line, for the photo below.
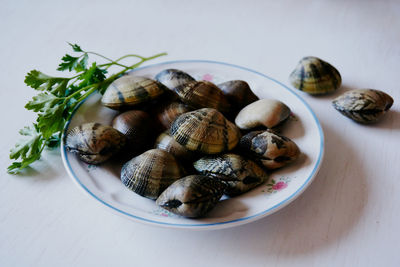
109 59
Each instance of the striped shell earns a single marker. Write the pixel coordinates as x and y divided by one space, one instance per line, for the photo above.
363 105
173 78
167 143
273 150
203 94
192 196
151 173
129 90
205 130
264 112
94 143
315 76
166 114
135 125
238 93
239 173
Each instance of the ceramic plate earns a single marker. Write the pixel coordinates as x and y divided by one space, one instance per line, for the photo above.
102 182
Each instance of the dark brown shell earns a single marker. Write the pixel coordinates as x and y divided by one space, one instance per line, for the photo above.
363 105
205 130
239 173
238 93
271 149
173 78
129 90
137 128
192 196
151 173
203 94
166 114
94 143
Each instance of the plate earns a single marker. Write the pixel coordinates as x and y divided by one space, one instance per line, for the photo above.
102 182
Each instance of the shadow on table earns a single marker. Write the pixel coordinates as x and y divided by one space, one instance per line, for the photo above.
325 213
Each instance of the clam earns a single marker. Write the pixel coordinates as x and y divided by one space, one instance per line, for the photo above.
271 149
94 143
315 76
363 105
192 196
166 114
173 78
264 112
205 130
151 173
167 143
129 90
238 93
203 94
136 126
239 173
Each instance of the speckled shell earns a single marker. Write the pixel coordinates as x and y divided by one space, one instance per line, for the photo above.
129 90
273 150
94 143
192 196
315 76
205 130
203 94
264 112
239 173
363 105
167 143
166 114
137 128
151 173
173 78
238 93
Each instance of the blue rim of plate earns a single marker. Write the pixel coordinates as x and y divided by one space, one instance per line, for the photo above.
248 218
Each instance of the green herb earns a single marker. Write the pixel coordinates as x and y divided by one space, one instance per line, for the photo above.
57 98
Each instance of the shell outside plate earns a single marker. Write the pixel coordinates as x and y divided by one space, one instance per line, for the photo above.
363 105
315 76
205 130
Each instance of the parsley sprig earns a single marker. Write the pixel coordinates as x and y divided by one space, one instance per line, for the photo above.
57 98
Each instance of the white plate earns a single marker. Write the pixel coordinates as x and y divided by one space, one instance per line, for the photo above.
102 182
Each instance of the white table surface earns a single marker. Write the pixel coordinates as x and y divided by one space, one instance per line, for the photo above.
349 216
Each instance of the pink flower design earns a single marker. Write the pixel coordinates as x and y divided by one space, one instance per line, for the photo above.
208 77
279 185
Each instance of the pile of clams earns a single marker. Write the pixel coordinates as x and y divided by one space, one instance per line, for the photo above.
189 142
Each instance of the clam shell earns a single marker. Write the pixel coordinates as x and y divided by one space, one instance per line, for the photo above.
264 112
271 149
239 173
151 173
129 90
166 114
205 130
203 94
167 143
192 196
136 126
94 143
173 78
363 105
238 93
315 76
